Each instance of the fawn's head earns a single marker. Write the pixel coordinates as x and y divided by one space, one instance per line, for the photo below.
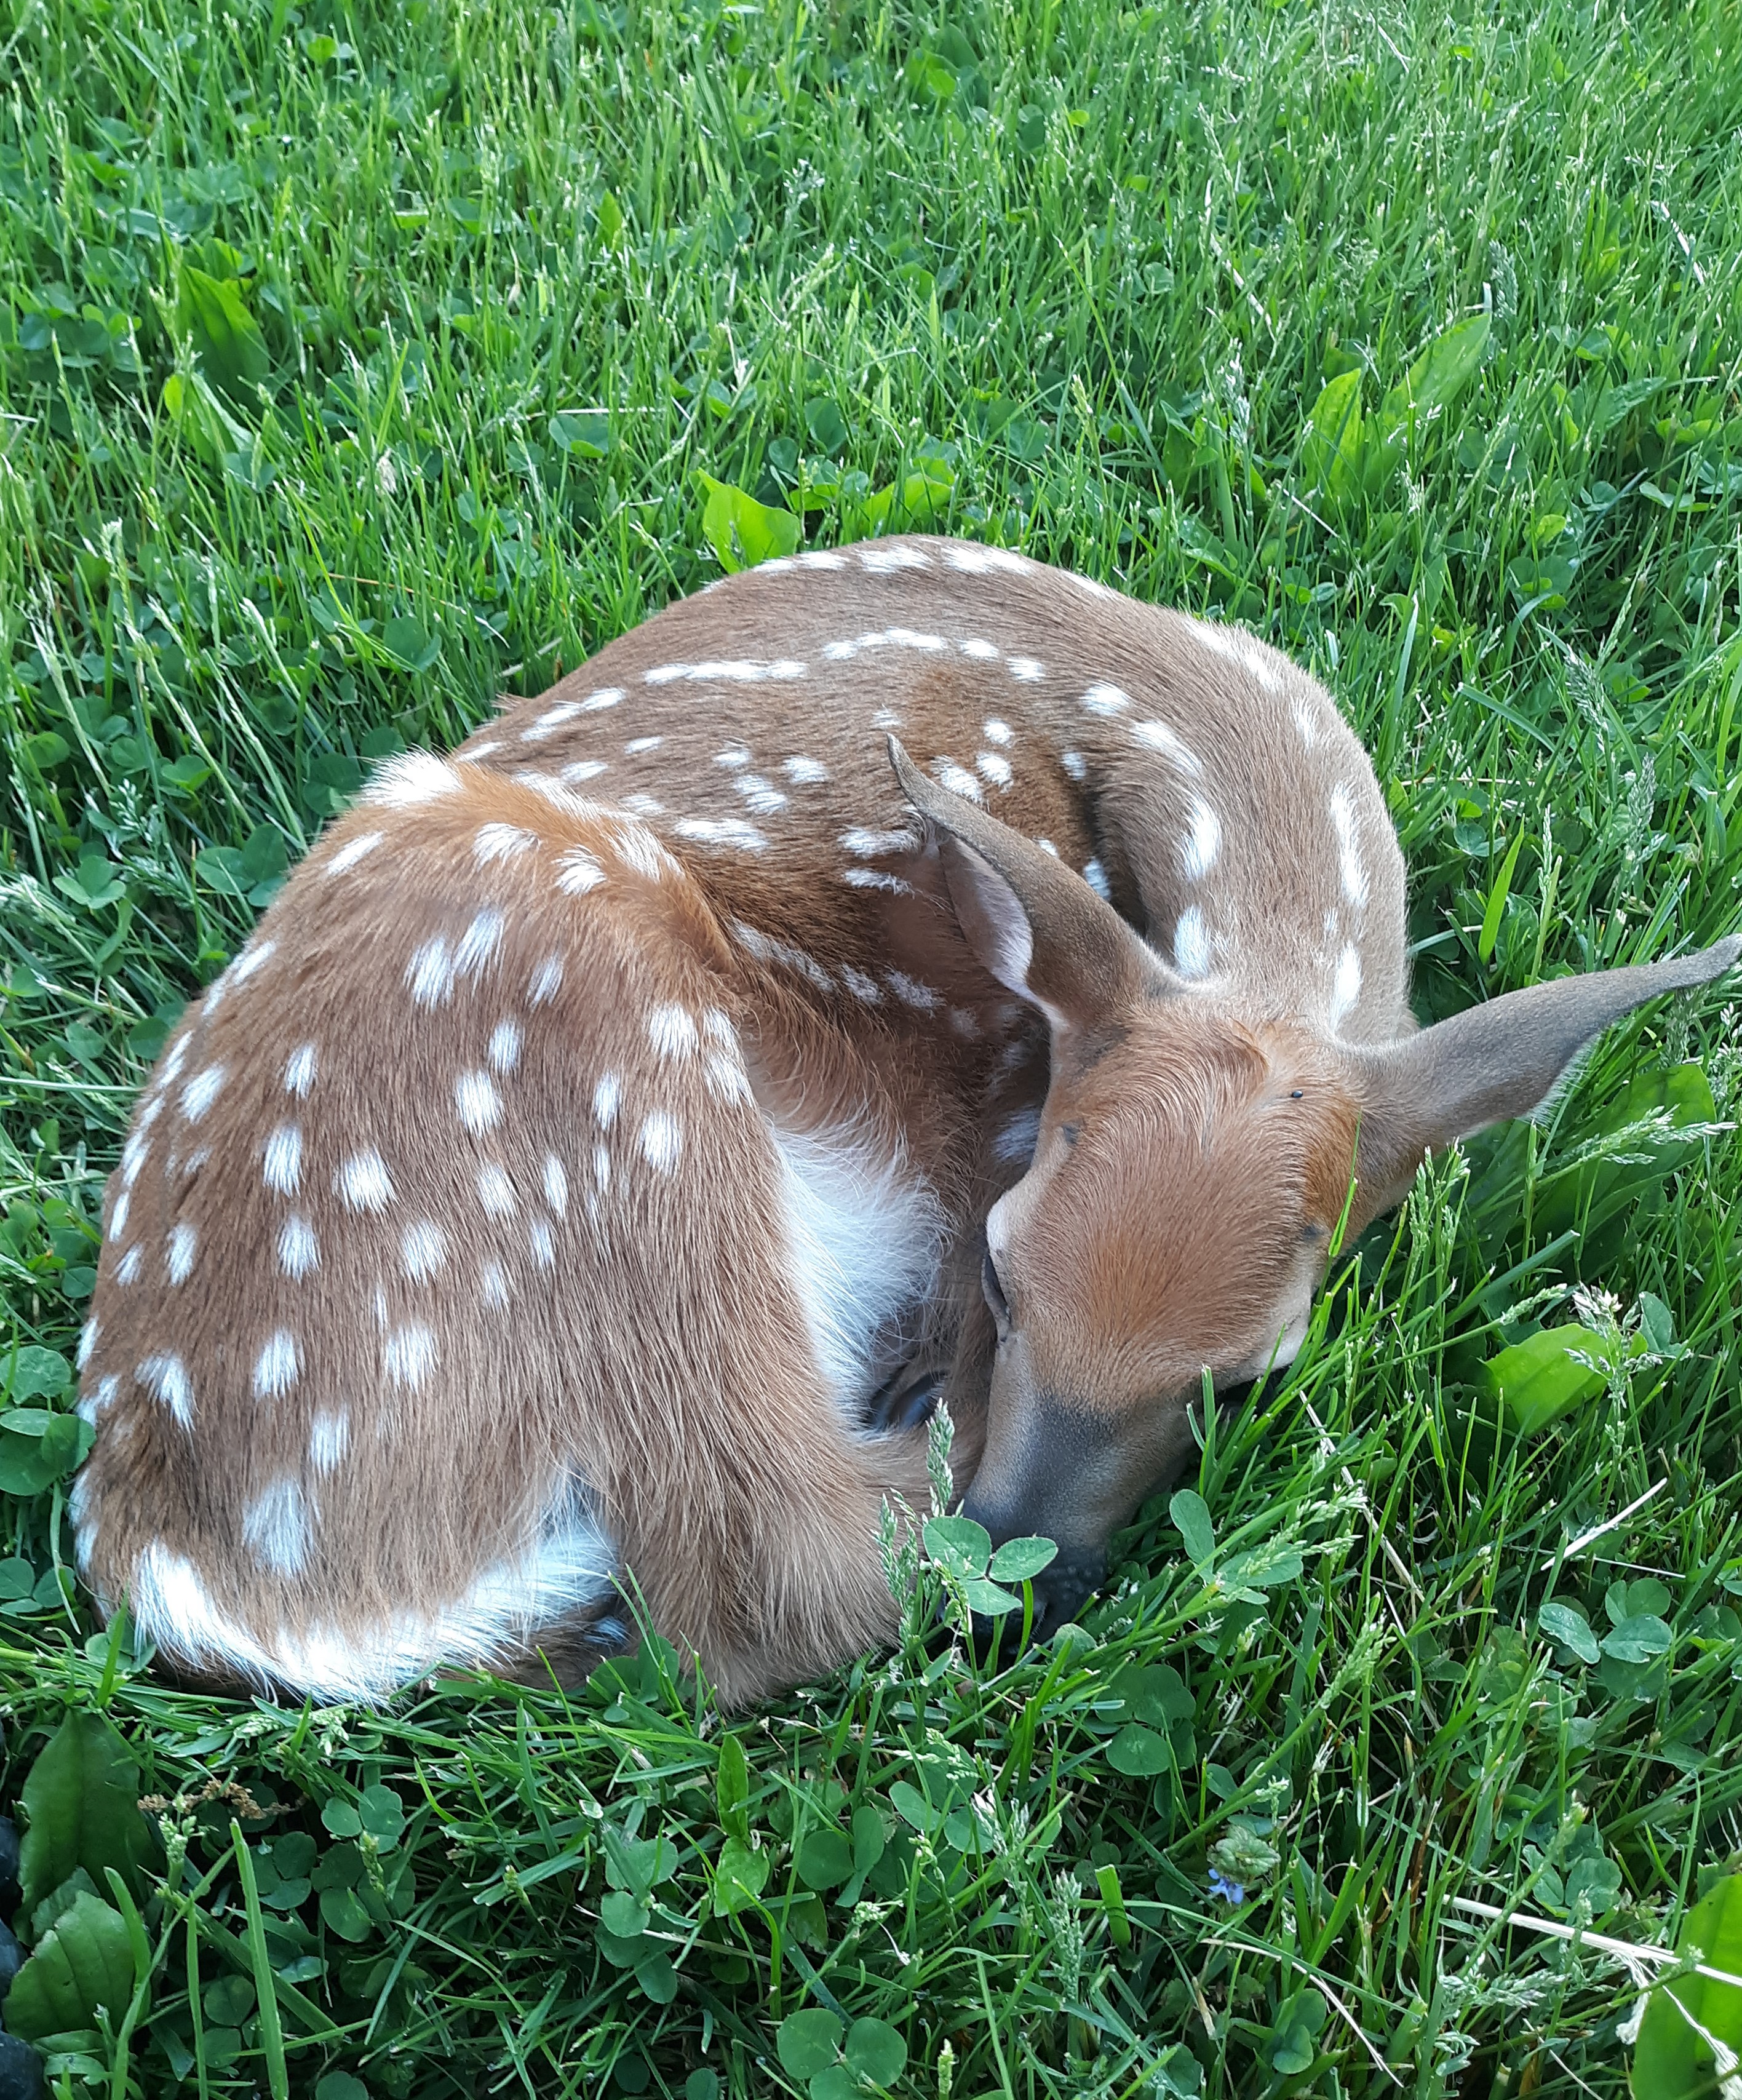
1192 1165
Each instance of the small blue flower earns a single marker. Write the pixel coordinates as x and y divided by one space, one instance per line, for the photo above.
1231 1892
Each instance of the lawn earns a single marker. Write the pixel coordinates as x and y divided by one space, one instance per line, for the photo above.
358 364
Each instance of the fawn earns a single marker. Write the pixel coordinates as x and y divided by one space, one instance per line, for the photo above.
616 1136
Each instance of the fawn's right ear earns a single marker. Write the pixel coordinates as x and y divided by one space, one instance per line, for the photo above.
1036 925
1503 1058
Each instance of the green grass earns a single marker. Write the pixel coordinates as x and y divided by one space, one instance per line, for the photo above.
505 279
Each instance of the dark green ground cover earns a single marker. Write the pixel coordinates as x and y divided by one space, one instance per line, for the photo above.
357 365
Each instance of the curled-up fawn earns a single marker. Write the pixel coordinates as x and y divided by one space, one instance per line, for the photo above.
616 1135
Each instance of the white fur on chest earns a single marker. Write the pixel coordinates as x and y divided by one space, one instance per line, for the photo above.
864 1233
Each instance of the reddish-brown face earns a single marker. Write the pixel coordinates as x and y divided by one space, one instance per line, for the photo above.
1177 1216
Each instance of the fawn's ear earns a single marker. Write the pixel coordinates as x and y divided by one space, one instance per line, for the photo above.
1505 1058
1038 927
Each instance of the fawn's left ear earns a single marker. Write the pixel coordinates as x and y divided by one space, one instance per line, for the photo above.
1502 1059
1036 924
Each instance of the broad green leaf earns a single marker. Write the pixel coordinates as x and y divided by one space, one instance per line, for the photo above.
808 2042
825 1859
1496 903
1443 370
1139 1753
1157 1694
1331 447
657 1978
638 1864
742 532
732 1789
415 648
826 425
582 433
913 1808
868 1840
1642 1637
83 1798
226 338
621 1913
1022 1560
1674 2059
1191 1515
988 1599
960 1546
383 1815
83 1962
1561 1623
1263 1569
342 1912
31 1373
740 1877
1243 1856
1540 1378
876 2051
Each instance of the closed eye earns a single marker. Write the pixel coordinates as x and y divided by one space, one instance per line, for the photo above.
994 1291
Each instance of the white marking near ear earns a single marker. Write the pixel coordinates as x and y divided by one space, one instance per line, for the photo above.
409 779
873 878
505 1046
478 945
865 1235
283 1158
804 772
556 1185
299 1250
329 1434
1157 736
547 982
583 769
1346 988
429 974
577 872
1096 875
605 1097
495 842
166 1378
1203 843
275 1527
672 1032
1348 846
299 1070
278 1366
993 767
1017 1136
1102 698
423 1250
201 1091
410 1354
1191 943
127 1268
957 778
722 831
183 1242
352 851
495 1192
661 1141
362 1183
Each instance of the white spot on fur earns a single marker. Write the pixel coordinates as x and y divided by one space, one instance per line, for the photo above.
993 767
1218 643
133 1155
729 671
583 769
596 702
1102 698
409 1355
299 1250
409 779
1348 846
763 796
495 1192
556 1185
504 1052
1073 764
726 1077
183 1243
1157 736
478 1103
480 945
423 1250
976 561
885 561
362 1182
100 1397
637 744
542 1245
283 1156
673 1031
550 722
299 1070
495 842
819 558
493 1285
1303 722
1096 875
646 805
166 1378
911 992
127 1268
733 755
997 732
329 1434
250 960
1203 842
605 1097
429 974
722 831
982 650
766 948
352 851
662 1141
1191 943
201 1091
871 878
1345 987
87 1342
957 778
889 638
275 1527
278 1366
863 987
867 844
804 772
1029 670
547 982
601 1167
